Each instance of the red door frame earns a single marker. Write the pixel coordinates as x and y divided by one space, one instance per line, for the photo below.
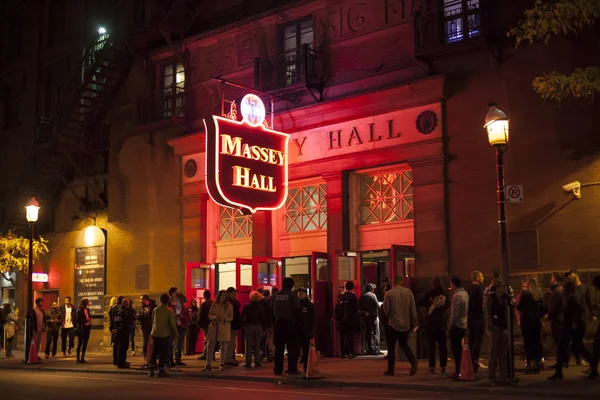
278 276
336 288
395 249
192 292
313 268
238 270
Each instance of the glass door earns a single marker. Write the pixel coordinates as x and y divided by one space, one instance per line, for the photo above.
266 273
198 278
347 269
324 300
403 261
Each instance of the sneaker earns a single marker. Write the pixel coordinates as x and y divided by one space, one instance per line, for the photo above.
413 368
132 354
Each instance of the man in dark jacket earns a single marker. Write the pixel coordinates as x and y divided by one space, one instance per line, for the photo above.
369 308
204 321
475 318
145 318
307 324
53 322
236 325
68 316
349 326
556 308
585 298
122 332
115 318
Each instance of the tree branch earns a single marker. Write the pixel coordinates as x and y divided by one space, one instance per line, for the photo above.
557 87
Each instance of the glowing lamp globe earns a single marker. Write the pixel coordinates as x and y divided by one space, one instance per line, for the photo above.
253 110
497 125
32 208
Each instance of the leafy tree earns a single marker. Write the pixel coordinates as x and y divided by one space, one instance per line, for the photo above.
549 18
14 252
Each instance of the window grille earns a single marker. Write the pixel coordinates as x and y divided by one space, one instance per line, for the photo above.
386 197
233 224
306 209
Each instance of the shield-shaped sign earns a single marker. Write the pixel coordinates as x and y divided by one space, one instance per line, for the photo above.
246 163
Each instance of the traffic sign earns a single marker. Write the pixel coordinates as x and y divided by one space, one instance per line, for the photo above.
513 193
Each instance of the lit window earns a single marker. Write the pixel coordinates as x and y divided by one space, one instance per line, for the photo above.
456 12
173 90
233 224
306 209
295 35
386 197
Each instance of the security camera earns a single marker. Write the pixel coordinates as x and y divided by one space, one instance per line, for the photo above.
573 187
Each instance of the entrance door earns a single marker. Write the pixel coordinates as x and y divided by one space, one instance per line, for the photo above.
403 260
198 278
50 296
243 279
346 268
266 273
322 294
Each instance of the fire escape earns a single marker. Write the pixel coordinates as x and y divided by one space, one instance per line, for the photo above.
72 143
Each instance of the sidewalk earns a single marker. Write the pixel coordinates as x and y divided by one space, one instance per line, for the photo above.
365 373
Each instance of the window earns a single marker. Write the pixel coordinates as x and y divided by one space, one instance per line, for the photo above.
142 277
200 278
462 19
233 224
306 209
173 90
295 35
57 22
386 197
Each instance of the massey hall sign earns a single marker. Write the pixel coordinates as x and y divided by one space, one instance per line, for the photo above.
246 163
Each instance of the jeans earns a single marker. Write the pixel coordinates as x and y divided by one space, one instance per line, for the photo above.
192 338
145 337
286 333
371 334
180 342
64 333
211 352
82 341
51 338
253 335
393 337
132 339
499 353
456 336
476 332
160 350
347 331
230 354
532 331
574 338
437 336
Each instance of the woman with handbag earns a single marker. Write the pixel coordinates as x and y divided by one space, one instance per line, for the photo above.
84 327
220 315
10 327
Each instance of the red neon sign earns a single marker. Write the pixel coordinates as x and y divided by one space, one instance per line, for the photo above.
246 163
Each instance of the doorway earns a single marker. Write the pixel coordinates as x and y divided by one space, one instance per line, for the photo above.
298 268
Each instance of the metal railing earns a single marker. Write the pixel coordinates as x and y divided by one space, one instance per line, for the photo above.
299 66
168 103
449 22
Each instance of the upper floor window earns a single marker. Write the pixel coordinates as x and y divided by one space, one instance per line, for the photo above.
386 197
294 36
173 90
306 209
462 19
233 224
57 22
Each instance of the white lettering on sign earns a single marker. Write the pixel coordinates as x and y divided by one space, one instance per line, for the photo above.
39 277
351 137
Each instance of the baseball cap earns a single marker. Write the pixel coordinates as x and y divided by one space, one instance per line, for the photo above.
231 289
145 297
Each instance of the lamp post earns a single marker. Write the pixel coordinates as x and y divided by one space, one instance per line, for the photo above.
32 208
497 126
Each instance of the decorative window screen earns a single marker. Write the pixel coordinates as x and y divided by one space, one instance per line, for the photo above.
233 224
306 209
386 197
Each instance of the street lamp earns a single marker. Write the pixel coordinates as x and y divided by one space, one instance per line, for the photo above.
32 208
497 126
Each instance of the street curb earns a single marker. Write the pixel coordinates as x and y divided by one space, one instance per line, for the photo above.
512 391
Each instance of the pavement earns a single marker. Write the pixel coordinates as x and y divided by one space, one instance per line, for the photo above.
363 373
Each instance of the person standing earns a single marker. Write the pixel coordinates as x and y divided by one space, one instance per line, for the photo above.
192 333
183 320
574 328
307 324
253 321
132 329
236 325
583 292
475 318
123 332
286 313
531 306
11 326
269 332
84 328
369 307
556 309
436 302
219 330
68 316
204 321
53 322
38 323
497 312
145 318
349 324
596 283
115 320
458 321
399 305
164 328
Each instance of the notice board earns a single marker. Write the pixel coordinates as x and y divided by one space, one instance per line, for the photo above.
90 277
